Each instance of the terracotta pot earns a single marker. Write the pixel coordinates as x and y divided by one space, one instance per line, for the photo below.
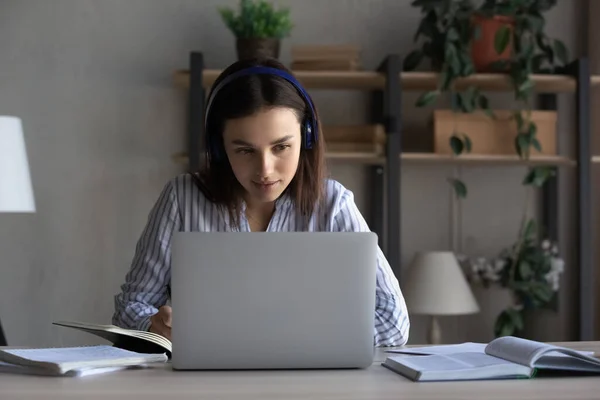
483 51
257 47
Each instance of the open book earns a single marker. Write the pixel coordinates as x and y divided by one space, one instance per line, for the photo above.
128 339
73 361
503 358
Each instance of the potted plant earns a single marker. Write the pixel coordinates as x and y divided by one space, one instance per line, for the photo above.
530 269
258 28
458 41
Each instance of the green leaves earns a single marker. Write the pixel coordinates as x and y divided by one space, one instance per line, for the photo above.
502 39
525 270
460 189
529 231
257 19
538 176
427 98
526 136
561 51
447 32
535 21
521 145
509 322
412 60
542 292
459 143
452 59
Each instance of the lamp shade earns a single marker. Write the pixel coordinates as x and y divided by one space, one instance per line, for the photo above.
436 285
16 193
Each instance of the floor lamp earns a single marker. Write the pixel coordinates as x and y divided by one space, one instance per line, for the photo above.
16 193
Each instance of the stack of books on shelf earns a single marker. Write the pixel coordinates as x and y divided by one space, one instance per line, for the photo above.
355 138
343 57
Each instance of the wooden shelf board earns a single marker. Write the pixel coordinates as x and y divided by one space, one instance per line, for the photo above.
485 159
490 82
311 79
432 159
409 80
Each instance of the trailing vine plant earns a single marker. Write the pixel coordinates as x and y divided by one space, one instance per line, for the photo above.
447 32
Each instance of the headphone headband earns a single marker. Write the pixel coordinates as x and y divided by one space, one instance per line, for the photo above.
310 128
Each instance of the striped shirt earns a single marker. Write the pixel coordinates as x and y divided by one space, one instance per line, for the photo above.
181 206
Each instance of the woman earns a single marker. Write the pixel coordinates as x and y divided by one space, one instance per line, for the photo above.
264 172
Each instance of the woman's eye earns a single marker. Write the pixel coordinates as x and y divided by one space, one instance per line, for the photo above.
244 151
281 147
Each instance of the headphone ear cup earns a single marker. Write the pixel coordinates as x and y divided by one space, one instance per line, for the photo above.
307 134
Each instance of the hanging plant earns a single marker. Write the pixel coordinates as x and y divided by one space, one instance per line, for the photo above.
452 31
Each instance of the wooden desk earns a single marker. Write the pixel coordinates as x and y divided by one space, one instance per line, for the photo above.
375 382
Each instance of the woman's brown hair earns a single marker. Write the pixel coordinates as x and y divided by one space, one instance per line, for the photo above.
243 97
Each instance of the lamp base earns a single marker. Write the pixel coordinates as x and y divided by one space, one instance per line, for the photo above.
435 333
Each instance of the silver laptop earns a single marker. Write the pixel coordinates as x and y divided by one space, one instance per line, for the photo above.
285 300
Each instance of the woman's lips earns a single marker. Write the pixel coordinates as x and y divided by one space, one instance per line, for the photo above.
266 185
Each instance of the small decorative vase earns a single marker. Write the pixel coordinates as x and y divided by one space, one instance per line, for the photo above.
257 48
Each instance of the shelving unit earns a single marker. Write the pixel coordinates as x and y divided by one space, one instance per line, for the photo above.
387 84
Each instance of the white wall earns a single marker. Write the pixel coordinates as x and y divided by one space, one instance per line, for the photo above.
92 81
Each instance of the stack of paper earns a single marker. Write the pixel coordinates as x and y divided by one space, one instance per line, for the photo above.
73 361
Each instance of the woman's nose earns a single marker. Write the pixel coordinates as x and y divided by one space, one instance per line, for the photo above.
266 165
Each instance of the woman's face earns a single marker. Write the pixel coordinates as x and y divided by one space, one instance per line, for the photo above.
264 150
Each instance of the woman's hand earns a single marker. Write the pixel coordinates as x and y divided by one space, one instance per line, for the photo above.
161 322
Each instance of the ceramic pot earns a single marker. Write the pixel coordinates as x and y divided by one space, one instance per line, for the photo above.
257 48
483 51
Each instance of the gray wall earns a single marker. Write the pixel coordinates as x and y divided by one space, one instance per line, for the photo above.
92 81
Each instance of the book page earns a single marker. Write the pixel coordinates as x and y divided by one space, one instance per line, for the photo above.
73 354
518 350
536 354
68 358
118 335
468 347
448 362
80 372
458 366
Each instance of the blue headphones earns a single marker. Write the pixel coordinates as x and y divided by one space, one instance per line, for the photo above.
309 124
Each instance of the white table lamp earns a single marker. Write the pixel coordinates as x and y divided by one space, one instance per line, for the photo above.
435 285
16 193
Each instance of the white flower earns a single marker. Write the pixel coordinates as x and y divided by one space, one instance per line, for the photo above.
554 281
557 265
499 264
491 276
553 278
546 244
